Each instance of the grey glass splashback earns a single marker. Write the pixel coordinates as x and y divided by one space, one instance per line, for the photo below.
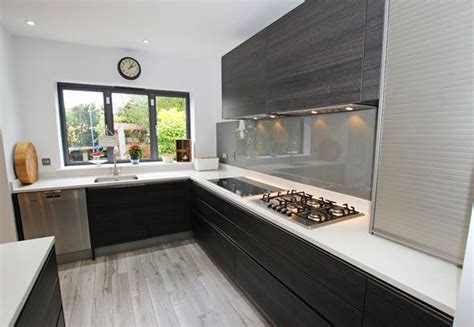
331 151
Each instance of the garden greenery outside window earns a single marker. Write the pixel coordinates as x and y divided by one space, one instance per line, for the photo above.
152 119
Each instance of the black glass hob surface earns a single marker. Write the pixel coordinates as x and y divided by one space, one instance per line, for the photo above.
244 186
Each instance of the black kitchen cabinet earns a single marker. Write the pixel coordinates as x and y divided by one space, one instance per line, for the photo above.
243 78
282 306
387 307
373 50
271 261
322 64
116 214
312 286
322 53
216 244
44 305
168 208
321 299
345 282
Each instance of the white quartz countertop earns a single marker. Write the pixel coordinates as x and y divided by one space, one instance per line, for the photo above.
20 266
430 279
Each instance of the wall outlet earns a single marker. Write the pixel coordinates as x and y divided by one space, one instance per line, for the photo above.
224 156
46 161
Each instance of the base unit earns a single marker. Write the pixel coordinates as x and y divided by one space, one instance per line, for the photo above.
282 306
296 283
44 306
168 208
216 244
385 306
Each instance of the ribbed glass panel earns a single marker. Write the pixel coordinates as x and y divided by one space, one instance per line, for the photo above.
425 175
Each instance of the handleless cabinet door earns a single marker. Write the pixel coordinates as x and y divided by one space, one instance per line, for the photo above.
243 78
387 307
282 306
168 208
116 215
373 50
315 55
216 244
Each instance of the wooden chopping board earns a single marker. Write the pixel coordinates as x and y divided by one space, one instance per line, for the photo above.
26 163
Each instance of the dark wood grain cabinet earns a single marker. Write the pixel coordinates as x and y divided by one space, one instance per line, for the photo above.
281 305
216 243
315 56
44 305
385 306
285 274
136 212
168 208
116 215
322 53
373 50
243 78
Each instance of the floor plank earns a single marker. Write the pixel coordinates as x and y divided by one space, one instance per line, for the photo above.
174 284
122 301
81 310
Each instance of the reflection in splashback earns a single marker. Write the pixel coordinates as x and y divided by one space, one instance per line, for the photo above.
331 151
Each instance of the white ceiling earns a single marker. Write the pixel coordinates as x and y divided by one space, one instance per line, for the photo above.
191 28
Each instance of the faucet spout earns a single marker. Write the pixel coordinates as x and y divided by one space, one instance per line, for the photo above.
116 170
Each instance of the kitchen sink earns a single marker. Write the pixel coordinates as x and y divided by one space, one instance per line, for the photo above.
123 178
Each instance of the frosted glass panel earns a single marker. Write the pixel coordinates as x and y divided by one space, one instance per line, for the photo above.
332 151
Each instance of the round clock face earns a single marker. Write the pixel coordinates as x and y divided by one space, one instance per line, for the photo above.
129 68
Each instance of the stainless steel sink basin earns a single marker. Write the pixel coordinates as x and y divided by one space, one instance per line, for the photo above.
123 178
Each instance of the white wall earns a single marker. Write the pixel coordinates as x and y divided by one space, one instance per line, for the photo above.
10 133
41 64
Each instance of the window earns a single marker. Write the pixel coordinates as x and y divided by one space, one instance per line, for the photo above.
150 118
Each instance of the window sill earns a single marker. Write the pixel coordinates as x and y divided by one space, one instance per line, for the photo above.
107 166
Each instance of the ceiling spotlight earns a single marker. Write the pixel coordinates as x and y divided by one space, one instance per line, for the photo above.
349 108
255 118
272 116
314 112
30 22
146 41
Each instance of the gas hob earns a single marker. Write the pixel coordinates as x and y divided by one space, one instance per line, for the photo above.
304 209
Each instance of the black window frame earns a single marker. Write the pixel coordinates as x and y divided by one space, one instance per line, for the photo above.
108 115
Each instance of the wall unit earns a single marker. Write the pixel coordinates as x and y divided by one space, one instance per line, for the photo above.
44 306
243 78
322 53
270 263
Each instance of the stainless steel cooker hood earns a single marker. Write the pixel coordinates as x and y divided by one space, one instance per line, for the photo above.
314 111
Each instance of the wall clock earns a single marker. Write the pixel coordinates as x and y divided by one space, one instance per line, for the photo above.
129 68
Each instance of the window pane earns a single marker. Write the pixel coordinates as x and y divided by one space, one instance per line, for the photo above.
84 112
171 122
131 123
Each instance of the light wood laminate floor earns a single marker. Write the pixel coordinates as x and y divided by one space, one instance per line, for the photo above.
173 284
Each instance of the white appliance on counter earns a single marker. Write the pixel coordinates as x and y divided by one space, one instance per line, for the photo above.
206 163
423 179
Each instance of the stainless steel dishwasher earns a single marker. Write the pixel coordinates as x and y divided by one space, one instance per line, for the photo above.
59 213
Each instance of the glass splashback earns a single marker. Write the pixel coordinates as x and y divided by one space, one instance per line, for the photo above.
331 151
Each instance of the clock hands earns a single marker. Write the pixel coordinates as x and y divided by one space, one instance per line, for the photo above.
131 66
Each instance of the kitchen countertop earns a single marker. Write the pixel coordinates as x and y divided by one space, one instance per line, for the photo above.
20 266
430 279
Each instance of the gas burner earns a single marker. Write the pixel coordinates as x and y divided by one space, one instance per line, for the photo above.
306 210
315 216
337 211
